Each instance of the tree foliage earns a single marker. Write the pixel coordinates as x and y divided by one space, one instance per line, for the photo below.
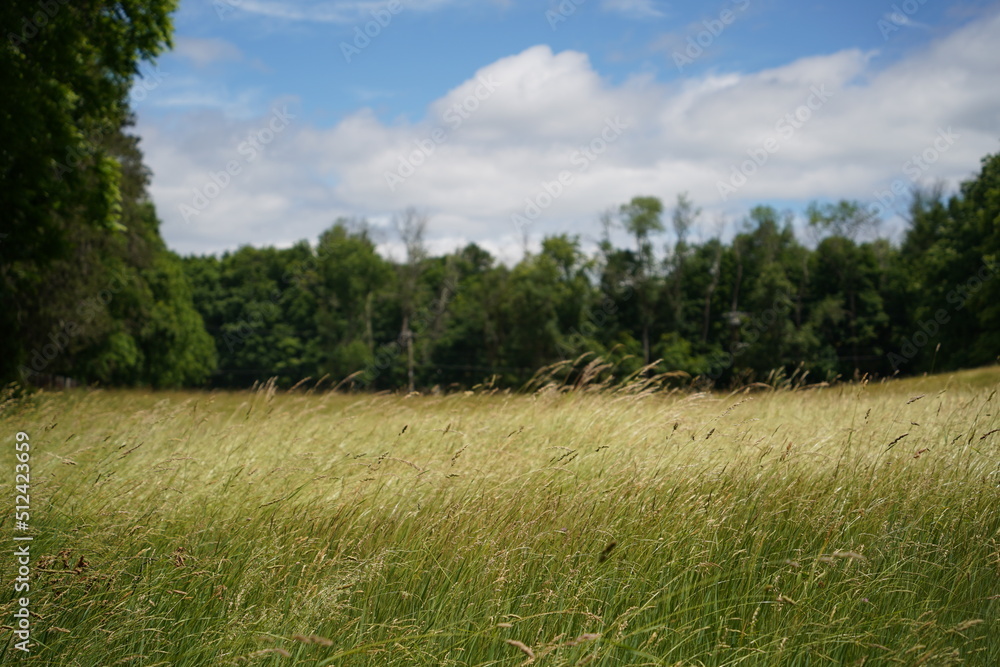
87 287
735 311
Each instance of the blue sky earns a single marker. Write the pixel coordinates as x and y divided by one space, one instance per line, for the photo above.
270 119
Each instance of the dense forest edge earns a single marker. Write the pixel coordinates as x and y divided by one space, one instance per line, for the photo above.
90 294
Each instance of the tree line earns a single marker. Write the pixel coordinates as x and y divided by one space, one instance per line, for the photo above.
89 290
762 303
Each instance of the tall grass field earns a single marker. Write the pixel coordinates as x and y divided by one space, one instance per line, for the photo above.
856 524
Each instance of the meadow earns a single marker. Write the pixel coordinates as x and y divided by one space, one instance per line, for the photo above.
850 524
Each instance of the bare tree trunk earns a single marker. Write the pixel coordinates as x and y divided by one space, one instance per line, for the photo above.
685 215
645 342
707 314
854 331
734 318
369 333
802 291
738 282
411 226
408 337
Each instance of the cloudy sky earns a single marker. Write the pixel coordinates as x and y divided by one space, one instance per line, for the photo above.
511 119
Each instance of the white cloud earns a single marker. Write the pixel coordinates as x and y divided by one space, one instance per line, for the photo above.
640 9
203 52
544 106
900 19
342 11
